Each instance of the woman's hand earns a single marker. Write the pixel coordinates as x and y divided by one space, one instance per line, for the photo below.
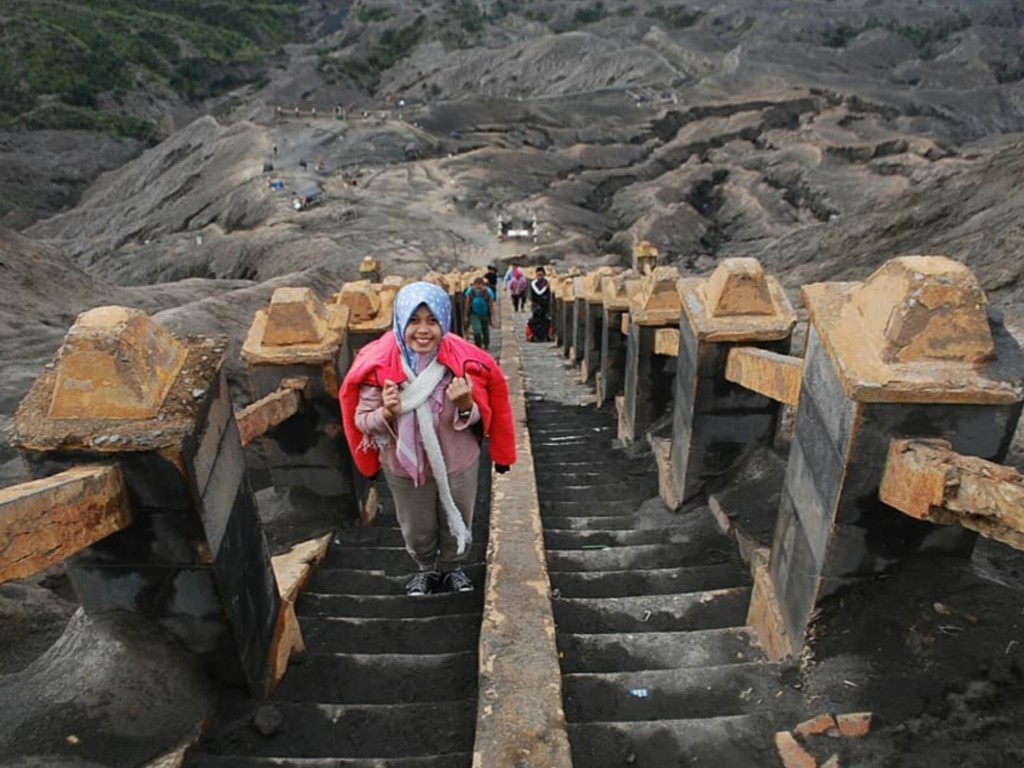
392 400
460 392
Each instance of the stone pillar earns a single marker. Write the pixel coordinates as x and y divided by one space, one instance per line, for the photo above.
648 379
369 269
578 322
645 257
593 322
566 312
615 293
195 560
713 420
297 336
910 352
370 311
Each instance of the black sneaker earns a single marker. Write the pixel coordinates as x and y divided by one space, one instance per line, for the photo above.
458 581
421 583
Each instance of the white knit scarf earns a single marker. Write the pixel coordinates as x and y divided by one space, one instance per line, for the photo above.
416 397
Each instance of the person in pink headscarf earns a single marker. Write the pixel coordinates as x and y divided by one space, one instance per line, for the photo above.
407 405
517 289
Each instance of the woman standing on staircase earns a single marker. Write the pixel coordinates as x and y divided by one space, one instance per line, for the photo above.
408 404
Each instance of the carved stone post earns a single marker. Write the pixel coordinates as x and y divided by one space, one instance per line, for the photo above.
648 380
195 559
297 336
591 298
714 420
615 295
911 352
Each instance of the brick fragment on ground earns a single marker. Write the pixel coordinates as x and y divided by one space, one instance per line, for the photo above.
791 753
854 724
832 762
823 723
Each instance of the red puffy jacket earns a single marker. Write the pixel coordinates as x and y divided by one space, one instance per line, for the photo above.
380 360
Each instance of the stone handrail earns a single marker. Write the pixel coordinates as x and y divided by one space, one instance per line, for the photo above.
45 521
926 479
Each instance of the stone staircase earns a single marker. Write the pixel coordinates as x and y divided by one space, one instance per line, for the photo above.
386 681
658 668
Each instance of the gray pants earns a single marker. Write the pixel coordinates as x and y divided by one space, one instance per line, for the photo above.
422 517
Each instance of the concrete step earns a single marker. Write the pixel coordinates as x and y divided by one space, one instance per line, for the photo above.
587 523
653 613
569 540
739 741
354 731
388 559
455 760
596 427
651 581
370 536
572 490
438 634
637 651
589 508
675 555
674 694
390 606
346 581
598 475
359 678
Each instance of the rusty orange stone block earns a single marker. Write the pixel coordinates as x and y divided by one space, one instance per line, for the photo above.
43 522
589 285
738 287
791 753
764 615
768 373
854 724
666 342
823 723
369 268
915 331
919 308
362 300
927 480
115 363
296 328
616 290
738 302
645 256
295 316
657 301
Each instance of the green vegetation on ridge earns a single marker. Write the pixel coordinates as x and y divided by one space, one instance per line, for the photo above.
62 62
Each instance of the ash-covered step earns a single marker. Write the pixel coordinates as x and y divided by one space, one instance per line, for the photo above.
653 613
679 554
347 581
738 741
439 634
599 474
569 488
583 523
461 760
561 539
363 731
599 426
388 559
588 508
654 581
675 694
389 606
370 536
355 678
636 651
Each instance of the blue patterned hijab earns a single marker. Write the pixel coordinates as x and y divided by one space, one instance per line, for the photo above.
408 300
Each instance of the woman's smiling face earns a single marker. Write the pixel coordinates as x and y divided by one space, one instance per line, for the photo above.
422 332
